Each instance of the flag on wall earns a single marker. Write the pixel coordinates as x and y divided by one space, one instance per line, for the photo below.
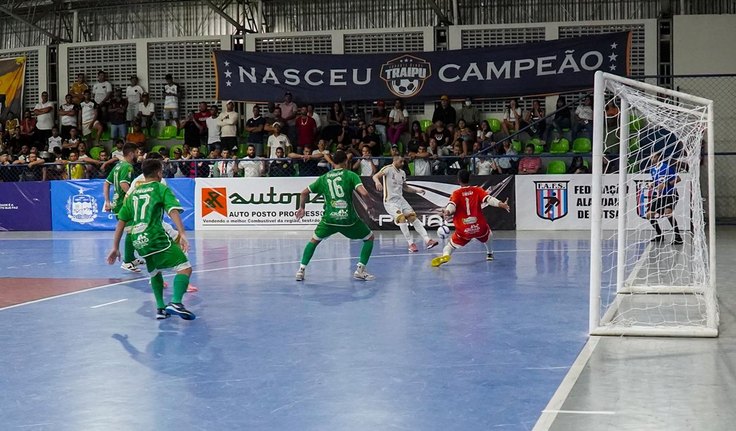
12 78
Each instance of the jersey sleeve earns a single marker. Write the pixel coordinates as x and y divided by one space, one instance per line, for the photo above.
355 179
317 185
126 173
170 201
111 177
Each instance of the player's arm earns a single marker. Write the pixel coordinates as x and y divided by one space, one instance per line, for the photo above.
115 252
175 215
377 179
125 185
106 192
302 202
492 201
410 189
449 210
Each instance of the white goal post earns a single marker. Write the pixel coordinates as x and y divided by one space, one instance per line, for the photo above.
652 268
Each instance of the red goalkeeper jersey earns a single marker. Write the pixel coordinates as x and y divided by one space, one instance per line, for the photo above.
468 219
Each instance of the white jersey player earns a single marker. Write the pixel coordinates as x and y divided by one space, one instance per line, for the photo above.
391 180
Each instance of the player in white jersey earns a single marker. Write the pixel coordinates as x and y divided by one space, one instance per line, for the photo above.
391 179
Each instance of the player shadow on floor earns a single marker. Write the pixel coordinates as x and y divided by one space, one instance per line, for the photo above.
338 296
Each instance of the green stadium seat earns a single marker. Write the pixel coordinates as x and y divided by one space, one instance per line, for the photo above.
173 148
424 124
204 150
179 136
94 152
106 136
556 167
538 146
495 124
168 132
242 150
156 148
582 145
516 145
411 168
559 146
635 123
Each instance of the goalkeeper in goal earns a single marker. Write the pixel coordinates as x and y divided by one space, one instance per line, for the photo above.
664 196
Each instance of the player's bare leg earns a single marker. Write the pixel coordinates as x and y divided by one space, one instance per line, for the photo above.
419 227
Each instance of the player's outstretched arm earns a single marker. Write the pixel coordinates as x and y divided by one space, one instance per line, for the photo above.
410 189
115 252
302 202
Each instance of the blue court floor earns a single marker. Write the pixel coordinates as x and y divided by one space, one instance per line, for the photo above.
472 345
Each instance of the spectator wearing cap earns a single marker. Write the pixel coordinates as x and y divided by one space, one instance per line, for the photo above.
445 112
277 140
146 110
228 122
289 113
470 114
171 100
133 93
255 126
380 120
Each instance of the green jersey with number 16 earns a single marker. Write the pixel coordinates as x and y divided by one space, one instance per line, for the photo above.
143 211
121 173
337 188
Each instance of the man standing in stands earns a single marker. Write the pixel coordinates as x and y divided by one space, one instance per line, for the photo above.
445 112
255 127
228 122
44 112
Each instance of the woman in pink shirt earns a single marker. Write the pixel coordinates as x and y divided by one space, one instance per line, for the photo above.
529 164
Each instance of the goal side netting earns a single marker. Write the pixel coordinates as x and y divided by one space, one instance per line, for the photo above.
652 231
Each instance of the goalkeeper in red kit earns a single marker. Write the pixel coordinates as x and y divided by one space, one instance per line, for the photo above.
465 207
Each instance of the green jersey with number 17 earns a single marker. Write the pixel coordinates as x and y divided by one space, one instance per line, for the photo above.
121 173
337 188
143 211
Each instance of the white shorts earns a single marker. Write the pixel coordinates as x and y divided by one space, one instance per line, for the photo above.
170 231
396 207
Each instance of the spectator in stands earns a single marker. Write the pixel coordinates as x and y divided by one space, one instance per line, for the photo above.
103 170
506 164
277 118
315 116
456 162
191 130
35 170
90 121
44 112
372 141
281 167
228 122
136 136
102 92
277 140
466 138
133 93
54 141
171 168
118 152
146 110
186 151
225 167
561 122
306 130
535 118
255 126
213 128
251 165
470 114
334 121
171 100
485 165
398 121
344 136
71 143
322 154
441 135
584 118
379 119
512 118
416 134
357 138
355 115
577 166
68 116
366 166
195 167
422 161
201 117
289 112
484 134
22 156
78 88
27 129
74 170
444 112
529 164
116 111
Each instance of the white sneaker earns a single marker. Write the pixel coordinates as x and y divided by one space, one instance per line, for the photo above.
139 261
300 275
129 267
362 274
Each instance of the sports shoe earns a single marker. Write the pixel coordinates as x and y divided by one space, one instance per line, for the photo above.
658 239
431 244
129 266
439 260
180 311
362 274
678 240
161 314
300 274
139 261
413 248
192 288
489 256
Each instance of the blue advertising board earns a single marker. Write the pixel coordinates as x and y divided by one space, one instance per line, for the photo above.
25 206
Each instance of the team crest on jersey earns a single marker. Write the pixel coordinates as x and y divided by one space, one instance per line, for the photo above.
81 208
644 195
551 197
214 200
405 75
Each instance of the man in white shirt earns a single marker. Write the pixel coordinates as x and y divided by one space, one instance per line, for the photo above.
584 118
225 167
133 94
102 92
213 129
391 180
145 112
68 116
44 112
171 100
55 141
278 140
228 122
251 166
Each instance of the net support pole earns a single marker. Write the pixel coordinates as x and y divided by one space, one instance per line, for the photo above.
595 215
622 194
712 313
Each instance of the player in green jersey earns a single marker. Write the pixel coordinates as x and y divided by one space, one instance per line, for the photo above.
339 216
142 212
120 178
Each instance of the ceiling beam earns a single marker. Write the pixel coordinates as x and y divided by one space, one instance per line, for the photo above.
54 37
238 26
444 20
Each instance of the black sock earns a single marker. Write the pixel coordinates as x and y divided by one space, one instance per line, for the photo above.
655 225
673 222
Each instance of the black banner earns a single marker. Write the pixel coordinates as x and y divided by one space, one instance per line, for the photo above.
437 191
514 70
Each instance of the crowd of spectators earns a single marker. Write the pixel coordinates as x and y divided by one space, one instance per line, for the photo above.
286 139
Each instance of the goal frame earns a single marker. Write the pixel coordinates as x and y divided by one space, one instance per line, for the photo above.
599 122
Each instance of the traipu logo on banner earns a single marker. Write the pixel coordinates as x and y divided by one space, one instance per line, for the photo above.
255 203
82 208
405 75
551 199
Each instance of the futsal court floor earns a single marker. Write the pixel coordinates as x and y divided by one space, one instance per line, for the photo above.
472 345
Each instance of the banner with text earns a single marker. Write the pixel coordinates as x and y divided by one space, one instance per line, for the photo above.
25 206
514 70
563 202
78 205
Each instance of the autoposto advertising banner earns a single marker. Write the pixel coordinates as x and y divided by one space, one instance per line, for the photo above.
271 203
564 202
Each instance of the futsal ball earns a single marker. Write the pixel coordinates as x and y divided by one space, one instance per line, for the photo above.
443 232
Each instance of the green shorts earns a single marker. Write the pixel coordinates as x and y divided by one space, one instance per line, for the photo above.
357 230
172 259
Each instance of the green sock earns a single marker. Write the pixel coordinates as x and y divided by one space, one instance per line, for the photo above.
128 250
308 253
157 284
181 282
365 252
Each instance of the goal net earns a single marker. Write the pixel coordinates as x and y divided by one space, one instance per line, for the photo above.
652 259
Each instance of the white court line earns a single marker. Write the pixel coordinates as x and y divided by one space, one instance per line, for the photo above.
109 303
580 412
254 265
563 391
